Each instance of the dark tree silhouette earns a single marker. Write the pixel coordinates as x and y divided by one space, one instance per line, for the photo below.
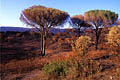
43 18
99 19
78 21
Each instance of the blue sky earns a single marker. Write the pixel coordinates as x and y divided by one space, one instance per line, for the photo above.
10 9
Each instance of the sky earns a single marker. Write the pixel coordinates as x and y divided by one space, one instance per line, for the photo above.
10 10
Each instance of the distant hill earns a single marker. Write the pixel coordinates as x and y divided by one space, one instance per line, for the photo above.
17 29
22 29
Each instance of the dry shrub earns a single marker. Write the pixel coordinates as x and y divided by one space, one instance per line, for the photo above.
86 66
81 45
22 66
114 36
60 40
73 38
59 34
71 69
54 38
61 69
67 39
96 54
64 46
18 35
11 39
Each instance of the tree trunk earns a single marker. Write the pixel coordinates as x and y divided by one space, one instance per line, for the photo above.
41 44
79 32
44 33
44 45
98 33
45 37
96 44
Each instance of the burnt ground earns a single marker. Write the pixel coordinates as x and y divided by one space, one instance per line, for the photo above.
20 53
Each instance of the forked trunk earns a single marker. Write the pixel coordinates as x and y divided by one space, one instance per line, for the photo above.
43 43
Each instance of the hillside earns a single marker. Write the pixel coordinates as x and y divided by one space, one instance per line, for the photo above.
23 29
21 60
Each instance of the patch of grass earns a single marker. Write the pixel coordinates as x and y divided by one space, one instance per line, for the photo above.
58 68
71 69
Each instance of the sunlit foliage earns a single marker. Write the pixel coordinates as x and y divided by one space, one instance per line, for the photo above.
99 19
114 36
81 45
43 18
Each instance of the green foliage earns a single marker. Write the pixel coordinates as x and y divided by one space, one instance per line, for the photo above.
60 68
89 67
78 21
101 17
43 16
98 19
114 36
81 45
70 68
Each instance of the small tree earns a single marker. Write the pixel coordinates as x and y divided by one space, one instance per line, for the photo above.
78 21
99 19
81 45
43 18
114 36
